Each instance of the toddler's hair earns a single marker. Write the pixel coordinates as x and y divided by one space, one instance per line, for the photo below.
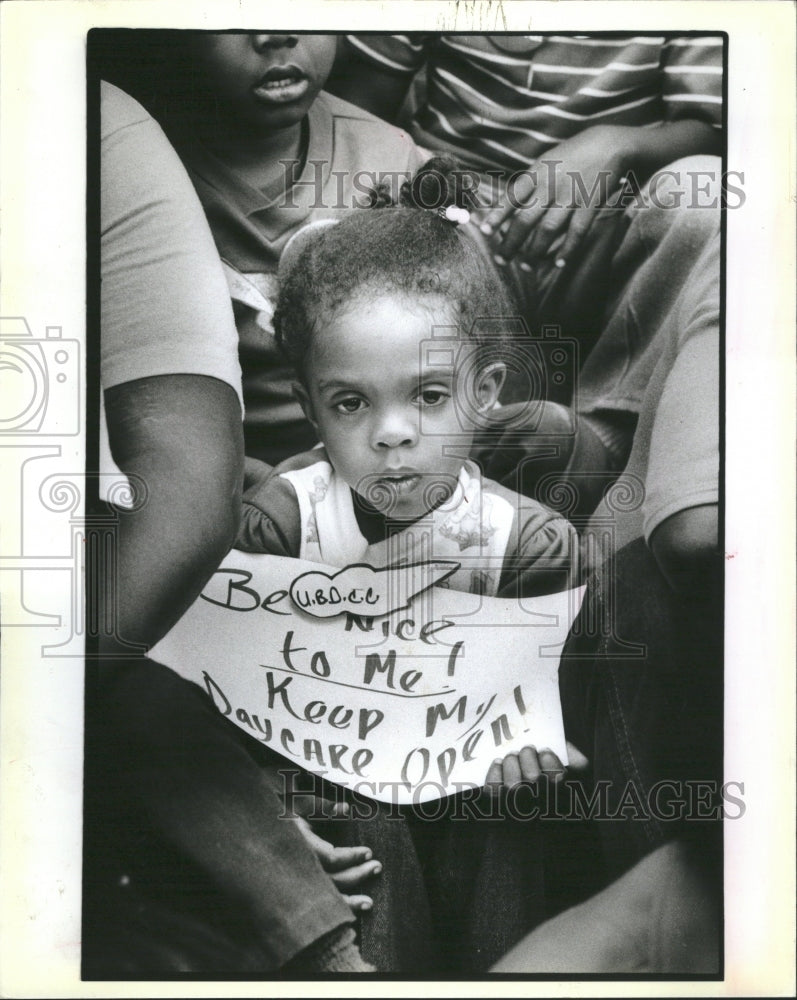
409 249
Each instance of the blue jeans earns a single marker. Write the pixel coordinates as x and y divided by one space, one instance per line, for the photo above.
188 865
191 867
643 700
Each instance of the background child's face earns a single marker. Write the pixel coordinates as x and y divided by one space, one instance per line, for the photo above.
265 80
384 409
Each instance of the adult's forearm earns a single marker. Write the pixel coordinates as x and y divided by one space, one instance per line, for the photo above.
161 571
648 149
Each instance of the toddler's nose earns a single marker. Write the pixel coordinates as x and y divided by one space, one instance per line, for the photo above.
395 431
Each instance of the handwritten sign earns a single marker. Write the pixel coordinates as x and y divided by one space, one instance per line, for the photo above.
403 707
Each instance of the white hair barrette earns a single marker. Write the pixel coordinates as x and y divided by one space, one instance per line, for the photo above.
454 214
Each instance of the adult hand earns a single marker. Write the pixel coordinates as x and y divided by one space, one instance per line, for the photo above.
548 209
348 867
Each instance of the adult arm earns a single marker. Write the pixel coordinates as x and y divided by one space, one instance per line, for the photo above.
375 71
179 435
681 513
554 215
172 393
553 204
170 374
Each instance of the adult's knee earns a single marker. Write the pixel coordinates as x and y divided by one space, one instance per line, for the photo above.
686 547
680 203
693 182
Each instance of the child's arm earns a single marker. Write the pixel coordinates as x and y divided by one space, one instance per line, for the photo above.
544 556
270 521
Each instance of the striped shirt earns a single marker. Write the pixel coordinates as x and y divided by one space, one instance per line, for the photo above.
502 100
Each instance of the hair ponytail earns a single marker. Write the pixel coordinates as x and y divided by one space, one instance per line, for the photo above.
439 184
416 249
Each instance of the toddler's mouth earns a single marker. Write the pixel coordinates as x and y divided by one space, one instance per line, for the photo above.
281 85
400 483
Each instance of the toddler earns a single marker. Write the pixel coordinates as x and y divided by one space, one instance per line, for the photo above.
395 324
393 320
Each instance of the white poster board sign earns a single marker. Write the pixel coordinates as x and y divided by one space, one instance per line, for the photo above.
398 689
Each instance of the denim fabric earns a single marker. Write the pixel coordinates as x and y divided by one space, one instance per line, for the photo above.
642 698
188 865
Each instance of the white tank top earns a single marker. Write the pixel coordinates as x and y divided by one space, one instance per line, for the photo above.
472 528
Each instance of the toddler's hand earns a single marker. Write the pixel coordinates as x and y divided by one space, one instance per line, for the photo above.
527 767
524 768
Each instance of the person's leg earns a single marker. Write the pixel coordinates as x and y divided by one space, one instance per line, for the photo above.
483 867
190 865
643 700
662 916
608 310
600 318
667 233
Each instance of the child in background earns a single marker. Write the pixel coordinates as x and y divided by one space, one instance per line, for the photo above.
268 152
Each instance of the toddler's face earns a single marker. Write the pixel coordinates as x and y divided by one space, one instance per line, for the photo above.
266 80
382 398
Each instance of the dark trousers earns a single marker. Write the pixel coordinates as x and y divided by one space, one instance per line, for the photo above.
642 698
190 865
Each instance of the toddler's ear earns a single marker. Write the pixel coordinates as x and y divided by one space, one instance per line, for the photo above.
489 385
300 393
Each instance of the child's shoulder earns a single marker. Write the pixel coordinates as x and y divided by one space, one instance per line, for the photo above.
518 501
365 132
270 508
542 554
344 110
274 483
532 517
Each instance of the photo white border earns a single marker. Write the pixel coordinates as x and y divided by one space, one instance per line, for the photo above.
42 123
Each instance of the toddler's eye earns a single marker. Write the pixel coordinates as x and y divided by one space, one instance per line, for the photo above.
349 405
433 397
